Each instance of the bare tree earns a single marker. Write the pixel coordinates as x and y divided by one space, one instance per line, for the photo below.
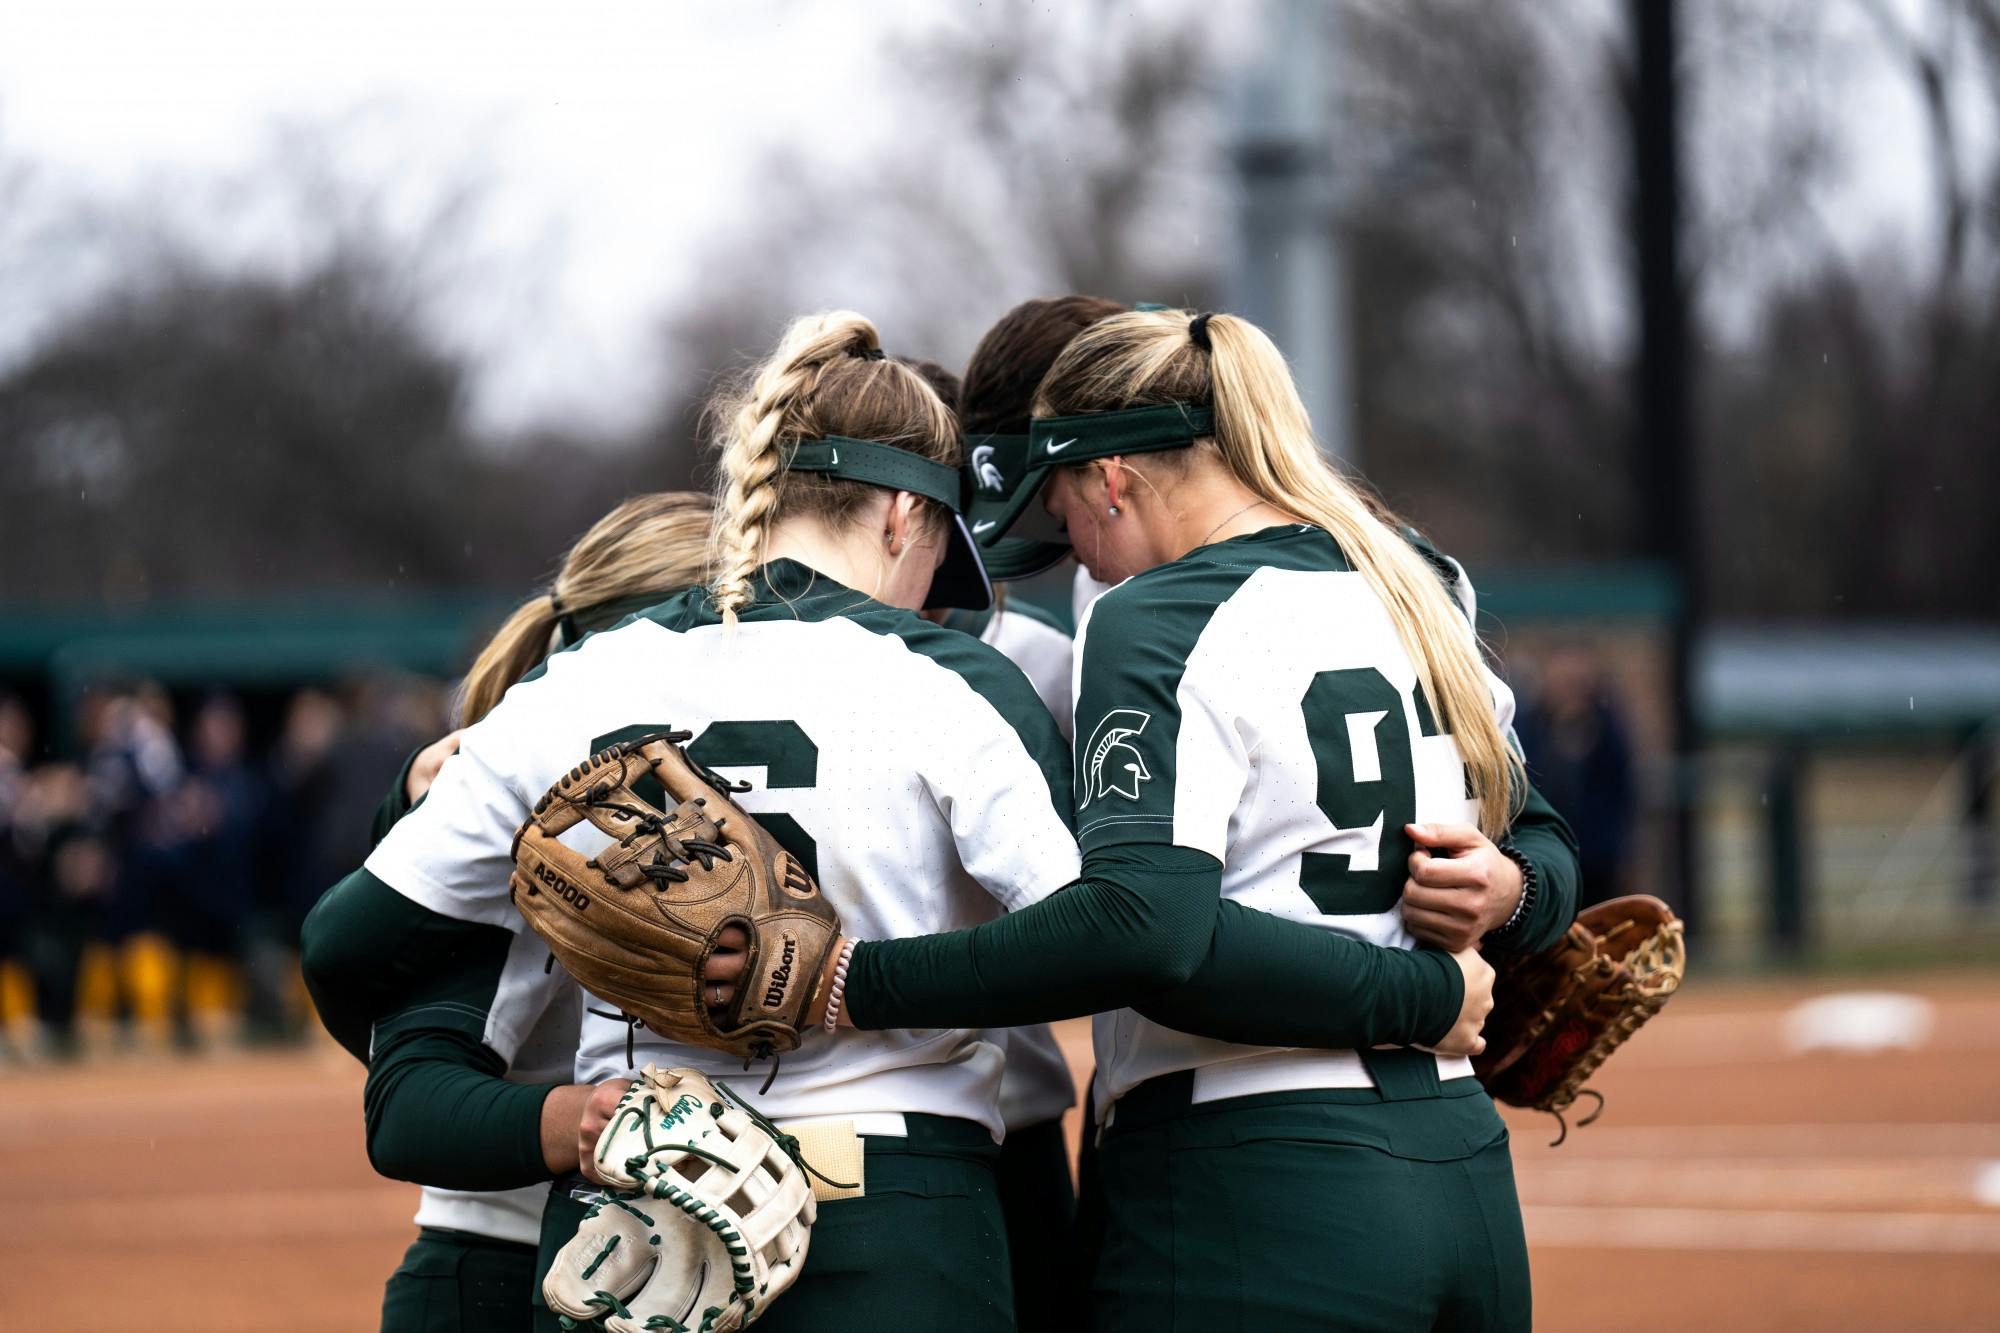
1481 187
273 405
194 432
1851 426
1038 151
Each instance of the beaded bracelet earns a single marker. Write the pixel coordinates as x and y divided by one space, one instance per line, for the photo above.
839 988
1531 884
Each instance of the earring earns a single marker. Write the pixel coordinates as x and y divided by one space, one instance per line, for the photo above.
1112 510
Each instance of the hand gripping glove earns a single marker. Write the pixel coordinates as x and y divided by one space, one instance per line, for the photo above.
635 923
1559 1014
707 1222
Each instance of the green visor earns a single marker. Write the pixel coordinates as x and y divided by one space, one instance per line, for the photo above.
961 580
997 480
1005 473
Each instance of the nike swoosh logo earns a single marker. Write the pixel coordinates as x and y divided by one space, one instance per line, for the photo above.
835 461
1058 448
988 525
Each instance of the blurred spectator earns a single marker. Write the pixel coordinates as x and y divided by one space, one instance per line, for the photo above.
201 847
160 891
17 738
71 872
133 764
17 743
301 774
129 743
386 720
291 870
1574 735
332 764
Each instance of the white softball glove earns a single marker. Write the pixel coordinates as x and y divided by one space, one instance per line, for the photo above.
707 1221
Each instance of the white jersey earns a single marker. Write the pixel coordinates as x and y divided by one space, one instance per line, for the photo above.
1036 1085
1083 590
910 767
1253 701
1044 653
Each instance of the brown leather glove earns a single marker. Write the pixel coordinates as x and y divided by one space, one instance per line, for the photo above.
636 922
1557 1015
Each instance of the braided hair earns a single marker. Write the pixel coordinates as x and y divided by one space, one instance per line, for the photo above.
827 377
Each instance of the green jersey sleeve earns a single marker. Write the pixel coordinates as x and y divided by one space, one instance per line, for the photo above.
1155 762
395 802
1145 926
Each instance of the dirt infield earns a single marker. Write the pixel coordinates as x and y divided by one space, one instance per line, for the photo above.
1731 1183
1764 1189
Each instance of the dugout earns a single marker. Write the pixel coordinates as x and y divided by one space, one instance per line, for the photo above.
1846 781
261 650
1872 699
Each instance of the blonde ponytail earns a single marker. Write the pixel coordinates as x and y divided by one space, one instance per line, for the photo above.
1265 439
827 377
646 550
512 652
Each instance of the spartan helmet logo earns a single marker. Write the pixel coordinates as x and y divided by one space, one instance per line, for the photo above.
1112 762
986 469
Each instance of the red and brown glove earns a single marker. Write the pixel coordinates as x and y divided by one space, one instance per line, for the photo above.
1559 1014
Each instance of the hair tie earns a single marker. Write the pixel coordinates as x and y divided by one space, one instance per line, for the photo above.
1198 331
871 354
555 606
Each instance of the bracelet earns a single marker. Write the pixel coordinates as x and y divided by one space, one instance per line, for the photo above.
1531 884
839 988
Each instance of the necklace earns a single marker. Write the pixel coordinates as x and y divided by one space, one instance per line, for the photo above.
1218 527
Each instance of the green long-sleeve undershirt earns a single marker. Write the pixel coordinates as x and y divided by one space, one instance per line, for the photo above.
1146 927
406 990
440 1112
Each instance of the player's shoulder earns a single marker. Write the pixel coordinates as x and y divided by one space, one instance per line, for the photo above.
1020 613
1175 601
691 608
929 648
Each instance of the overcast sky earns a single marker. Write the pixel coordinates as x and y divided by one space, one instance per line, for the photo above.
606 139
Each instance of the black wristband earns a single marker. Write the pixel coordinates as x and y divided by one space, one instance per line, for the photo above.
1531 884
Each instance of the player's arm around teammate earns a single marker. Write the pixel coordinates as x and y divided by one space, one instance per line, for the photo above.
1276 696
1133 932
470 1043
910 767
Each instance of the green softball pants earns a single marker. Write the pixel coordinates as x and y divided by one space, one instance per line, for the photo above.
456 1282
1039 1205
926 1247
1322 1209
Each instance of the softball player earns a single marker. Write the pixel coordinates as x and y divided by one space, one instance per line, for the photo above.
470 1262
1281 704
1037 1197
1049 1218
470 1043
911 767
473 1262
